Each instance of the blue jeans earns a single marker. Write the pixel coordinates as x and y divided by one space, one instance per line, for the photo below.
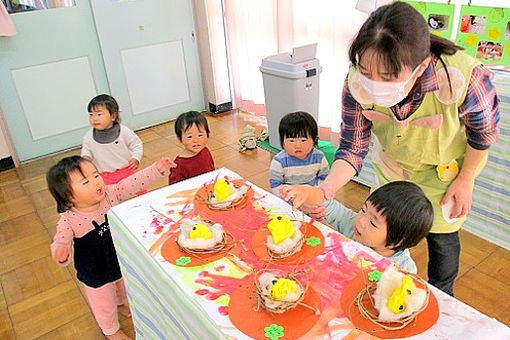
444 253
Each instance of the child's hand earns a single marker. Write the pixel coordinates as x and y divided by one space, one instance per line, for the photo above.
62 254
165 164
317 212
297 193
133 164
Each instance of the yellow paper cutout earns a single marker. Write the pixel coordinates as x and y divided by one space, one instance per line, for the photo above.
496 15
494 33
471 40
436 33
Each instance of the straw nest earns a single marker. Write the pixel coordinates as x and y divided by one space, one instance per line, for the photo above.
364 301
237 197
297 246
274 305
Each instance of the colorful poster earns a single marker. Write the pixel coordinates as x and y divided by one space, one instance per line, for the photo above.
484 32
439 16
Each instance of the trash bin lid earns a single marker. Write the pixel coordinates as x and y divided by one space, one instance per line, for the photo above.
281 65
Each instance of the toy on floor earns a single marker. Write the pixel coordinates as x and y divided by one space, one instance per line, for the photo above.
226 194
249 138
286 237
277 293
203 237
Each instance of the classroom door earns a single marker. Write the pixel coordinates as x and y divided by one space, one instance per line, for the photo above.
48 73
151 58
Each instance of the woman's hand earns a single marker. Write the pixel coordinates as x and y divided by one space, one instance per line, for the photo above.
328 188
340 173
62 254
133 164
461 191
165 164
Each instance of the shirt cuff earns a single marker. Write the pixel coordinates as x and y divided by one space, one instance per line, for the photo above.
477 146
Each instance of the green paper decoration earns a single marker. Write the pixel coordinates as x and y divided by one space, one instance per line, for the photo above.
374 276
313 241
183 260
439 16
484 32
273 332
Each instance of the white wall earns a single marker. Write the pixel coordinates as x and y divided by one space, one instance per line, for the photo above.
4 150
212 51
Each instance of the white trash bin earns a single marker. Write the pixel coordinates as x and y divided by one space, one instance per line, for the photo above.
291 83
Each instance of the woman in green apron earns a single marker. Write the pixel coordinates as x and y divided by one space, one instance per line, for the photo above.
433 112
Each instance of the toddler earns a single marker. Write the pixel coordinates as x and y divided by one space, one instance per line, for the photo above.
394 217
83 201
195 159
300 162
113 148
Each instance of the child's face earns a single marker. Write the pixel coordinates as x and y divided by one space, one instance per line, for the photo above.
100 118
88 189
298 147
370 228
194 139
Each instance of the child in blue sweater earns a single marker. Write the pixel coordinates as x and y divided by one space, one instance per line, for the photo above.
394 217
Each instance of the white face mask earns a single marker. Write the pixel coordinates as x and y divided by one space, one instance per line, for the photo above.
385 93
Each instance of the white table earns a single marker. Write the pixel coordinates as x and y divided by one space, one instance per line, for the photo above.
173 302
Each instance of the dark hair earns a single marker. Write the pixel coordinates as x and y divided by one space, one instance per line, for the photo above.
298 124
187 120
399 37
108 102
59 182
408 212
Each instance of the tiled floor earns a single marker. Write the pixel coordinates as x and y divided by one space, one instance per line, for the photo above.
40 300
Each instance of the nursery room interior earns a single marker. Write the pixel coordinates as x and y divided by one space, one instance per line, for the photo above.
244 65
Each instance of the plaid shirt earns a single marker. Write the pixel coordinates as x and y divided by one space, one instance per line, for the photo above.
479 113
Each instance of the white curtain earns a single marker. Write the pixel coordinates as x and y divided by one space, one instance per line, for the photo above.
257 29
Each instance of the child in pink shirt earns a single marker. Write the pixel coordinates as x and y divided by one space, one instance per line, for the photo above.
83 201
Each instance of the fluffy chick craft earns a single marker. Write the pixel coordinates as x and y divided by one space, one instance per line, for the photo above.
226 193
199 235
279 294
396 296
285 235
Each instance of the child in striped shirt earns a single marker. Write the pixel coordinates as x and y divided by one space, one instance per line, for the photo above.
300 162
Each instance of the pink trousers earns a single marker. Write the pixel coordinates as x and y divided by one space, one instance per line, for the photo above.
114 177
104 301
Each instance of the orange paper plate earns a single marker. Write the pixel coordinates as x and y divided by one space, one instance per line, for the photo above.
306 253
171 252
295 322
202 192
426 319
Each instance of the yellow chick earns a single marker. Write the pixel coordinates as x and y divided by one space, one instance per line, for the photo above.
200 231
281 228
221 189
282 287
396 302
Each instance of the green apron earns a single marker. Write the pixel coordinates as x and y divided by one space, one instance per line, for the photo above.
424 147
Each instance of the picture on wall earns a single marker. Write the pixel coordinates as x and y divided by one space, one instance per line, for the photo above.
484 32
439 16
